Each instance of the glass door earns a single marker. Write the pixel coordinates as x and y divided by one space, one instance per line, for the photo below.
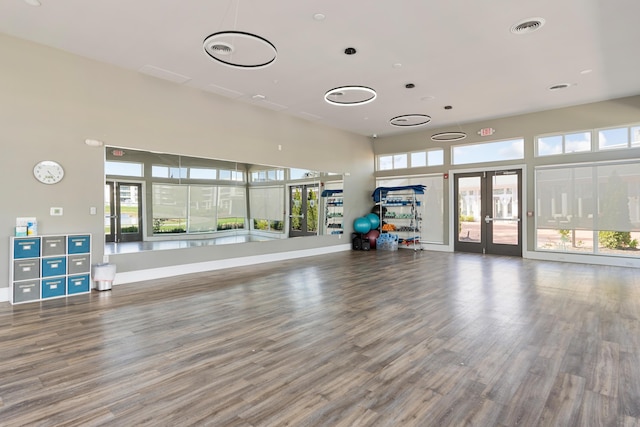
489 212
123 212
303 210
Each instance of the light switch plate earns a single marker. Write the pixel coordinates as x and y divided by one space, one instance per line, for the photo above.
55 211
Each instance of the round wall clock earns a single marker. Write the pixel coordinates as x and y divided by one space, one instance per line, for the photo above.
48 172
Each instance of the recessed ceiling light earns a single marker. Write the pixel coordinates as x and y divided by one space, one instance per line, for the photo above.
409 120
410 85
560 86
448 136
587 71
35 3
319 16
350 95
397 65
240 49
428 98
350 51
448 107
528 25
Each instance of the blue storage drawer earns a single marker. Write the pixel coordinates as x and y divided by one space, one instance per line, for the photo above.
55 287
28 247
78 284
80 244
54 266
26 291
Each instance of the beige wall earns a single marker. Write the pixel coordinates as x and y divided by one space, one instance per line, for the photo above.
51 101
622 111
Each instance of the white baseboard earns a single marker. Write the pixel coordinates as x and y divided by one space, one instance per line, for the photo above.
159 273
583 259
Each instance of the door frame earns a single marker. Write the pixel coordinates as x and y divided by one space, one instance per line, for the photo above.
116 226
290 232
453 210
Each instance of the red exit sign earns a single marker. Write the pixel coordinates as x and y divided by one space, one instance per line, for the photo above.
486 131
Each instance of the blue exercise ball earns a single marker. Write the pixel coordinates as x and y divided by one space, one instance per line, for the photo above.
361 225
374 220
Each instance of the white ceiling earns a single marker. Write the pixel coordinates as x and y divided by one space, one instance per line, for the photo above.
456 52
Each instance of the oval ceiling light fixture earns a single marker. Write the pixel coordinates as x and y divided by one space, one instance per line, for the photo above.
350 95
448 136
528 25
240 49
409 120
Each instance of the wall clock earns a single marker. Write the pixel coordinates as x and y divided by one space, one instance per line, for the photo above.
48 172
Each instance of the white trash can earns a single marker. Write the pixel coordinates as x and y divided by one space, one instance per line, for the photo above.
103 276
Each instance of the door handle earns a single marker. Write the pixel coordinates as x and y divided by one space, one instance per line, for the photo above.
488 219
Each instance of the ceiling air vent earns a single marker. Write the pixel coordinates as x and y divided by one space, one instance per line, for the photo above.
221 48
527 26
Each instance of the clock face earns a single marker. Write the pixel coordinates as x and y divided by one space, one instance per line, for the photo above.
48 172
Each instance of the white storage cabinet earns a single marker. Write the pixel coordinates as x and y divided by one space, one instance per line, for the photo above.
43 267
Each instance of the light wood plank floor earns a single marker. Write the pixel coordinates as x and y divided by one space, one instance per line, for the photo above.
347 339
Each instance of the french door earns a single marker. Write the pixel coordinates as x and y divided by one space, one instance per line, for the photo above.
303 210
122 212
489 212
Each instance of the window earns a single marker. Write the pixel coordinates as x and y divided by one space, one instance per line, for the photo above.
232 208
592 208
267 207
202 173
169 208
267 175
231 175
418 159
399 161
488 152
302 173
159 171
202 209
385 163
563 144
623 137
414 159
435 157
123 168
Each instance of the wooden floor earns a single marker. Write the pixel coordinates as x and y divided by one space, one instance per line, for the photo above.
346 339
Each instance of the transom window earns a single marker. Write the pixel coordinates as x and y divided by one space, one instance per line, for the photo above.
563 143
413 159
512 149
621 137
123 168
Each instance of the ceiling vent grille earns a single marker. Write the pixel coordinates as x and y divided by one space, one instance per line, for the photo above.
222 48
528 26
